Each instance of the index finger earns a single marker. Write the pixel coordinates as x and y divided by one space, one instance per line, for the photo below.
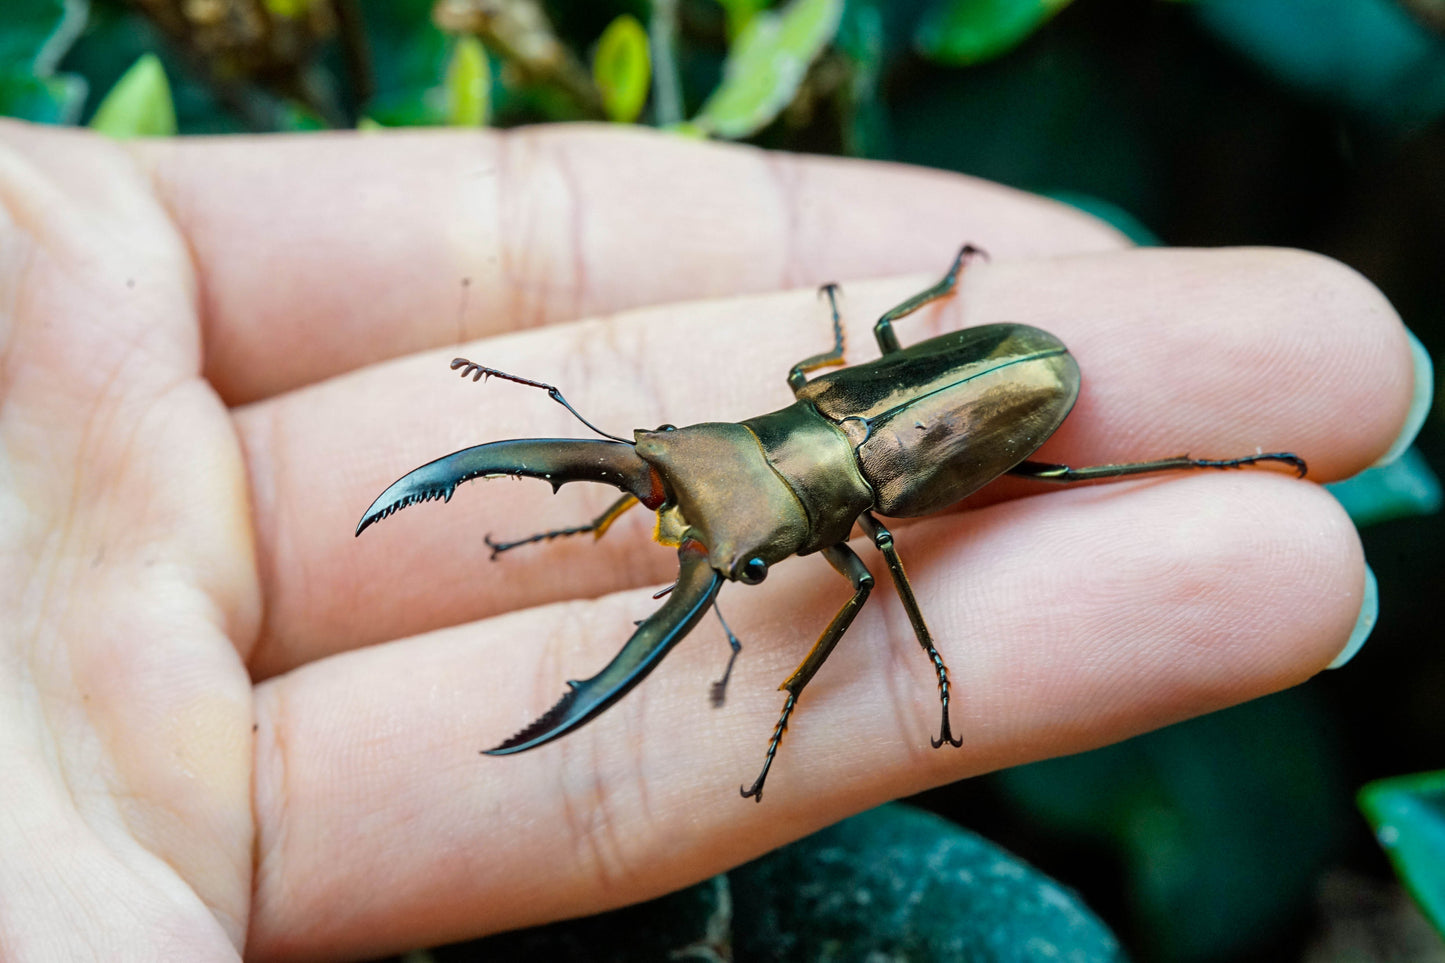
322 253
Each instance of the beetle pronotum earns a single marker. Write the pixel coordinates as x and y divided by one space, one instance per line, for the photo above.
906 435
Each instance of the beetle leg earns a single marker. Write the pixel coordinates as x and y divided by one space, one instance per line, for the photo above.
720 687
697 586
1063 473
849 565
884 540
883 329
598 527
797 377
554 460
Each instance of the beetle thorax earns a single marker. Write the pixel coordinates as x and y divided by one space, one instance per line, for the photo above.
722 492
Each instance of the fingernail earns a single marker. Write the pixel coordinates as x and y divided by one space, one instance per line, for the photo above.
1365 624
1419 404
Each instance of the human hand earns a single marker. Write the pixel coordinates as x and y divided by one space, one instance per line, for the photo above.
216 353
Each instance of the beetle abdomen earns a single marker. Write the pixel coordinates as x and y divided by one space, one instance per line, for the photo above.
944 417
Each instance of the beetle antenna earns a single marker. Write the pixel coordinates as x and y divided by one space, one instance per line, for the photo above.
479 371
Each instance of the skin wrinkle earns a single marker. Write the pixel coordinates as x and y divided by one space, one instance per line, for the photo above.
607 815
118 472
506 215
465 283
593 823
200 298
576 231
782 171
645 808
581 841
258 449
616 862
640 377
529 298
264 477
267 849
9 301
581 365
58 555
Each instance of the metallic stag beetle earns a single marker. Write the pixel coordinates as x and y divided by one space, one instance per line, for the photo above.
906 435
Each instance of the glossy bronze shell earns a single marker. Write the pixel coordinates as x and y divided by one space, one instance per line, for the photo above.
938 420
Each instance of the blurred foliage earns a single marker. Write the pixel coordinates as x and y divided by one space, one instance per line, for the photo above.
34 34
622 68
766 66
139 105
1371 56
468 84
963 32
1311 123
1408 814
1403 488
1208 862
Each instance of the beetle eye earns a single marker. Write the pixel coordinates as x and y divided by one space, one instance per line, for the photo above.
753 571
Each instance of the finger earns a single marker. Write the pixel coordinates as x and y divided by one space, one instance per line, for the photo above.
1068 622
1219 353
322 254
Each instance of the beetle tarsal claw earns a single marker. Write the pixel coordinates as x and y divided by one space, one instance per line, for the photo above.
945 735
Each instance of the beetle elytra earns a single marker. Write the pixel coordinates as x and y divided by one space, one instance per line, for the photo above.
906 435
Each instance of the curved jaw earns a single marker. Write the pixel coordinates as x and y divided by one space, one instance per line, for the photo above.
554 460
697 586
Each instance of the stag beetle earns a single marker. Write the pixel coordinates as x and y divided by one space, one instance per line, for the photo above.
906 435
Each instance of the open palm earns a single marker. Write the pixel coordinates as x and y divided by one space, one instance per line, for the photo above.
231 729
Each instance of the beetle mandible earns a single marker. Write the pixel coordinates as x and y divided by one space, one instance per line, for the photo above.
906 435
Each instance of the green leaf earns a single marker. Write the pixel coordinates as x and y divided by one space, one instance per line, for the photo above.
295 116
286 9
961 32
766 65
740 13
1403 488
139 105
410 57
622 68
115 37
860 40
469 85
35 34
43 100
1408 816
